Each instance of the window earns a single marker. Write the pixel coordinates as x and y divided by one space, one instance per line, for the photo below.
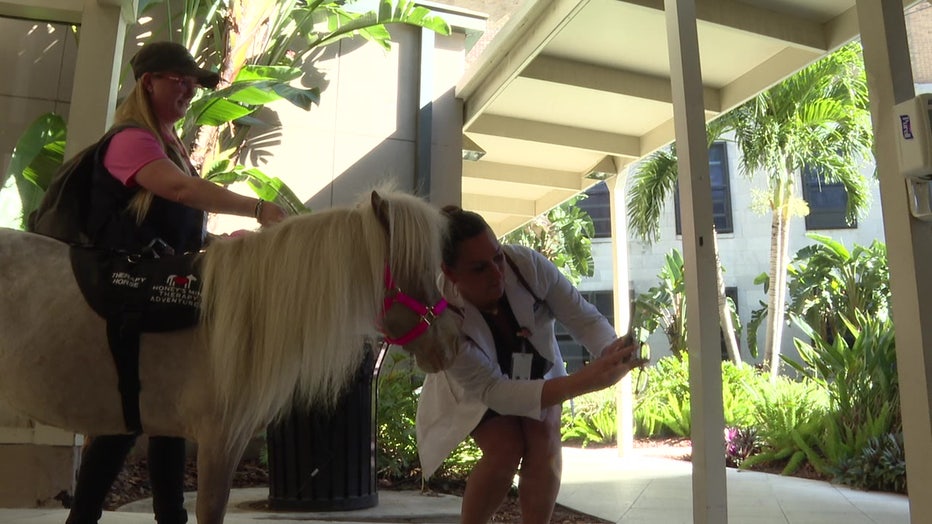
575 355
721 192
598 206
827 202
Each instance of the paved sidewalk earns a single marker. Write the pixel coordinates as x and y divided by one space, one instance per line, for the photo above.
641 489
646 489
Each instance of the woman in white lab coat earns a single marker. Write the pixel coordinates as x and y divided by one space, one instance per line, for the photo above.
508 382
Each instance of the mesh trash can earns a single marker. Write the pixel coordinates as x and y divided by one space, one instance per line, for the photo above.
320 461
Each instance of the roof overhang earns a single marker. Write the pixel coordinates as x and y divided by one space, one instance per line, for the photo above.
571 86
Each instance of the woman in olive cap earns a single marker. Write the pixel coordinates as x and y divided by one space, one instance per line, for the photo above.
147 198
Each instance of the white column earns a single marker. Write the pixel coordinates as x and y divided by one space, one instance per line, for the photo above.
97 74
705 374
621 286
909 242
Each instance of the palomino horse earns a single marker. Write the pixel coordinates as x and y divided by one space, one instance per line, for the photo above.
285 314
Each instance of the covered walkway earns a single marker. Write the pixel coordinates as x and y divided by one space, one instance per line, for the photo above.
641 488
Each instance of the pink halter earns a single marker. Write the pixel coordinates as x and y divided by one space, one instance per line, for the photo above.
427 313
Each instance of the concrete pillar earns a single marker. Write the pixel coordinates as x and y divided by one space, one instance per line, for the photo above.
97 73
705 373
621 286
909 242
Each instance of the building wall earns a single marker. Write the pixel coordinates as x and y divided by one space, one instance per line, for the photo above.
37 60
919 33
745 253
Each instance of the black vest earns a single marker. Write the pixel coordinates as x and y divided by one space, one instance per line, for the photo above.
112 225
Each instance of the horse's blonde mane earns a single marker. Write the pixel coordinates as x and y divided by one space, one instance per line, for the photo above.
287 311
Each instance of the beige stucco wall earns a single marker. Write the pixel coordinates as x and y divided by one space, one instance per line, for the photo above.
364 129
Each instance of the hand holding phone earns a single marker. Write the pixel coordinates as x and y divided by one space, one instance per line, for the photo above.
643 351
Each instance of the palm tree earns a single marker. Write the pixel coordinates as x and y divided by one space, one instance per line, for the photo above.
818 119
654 180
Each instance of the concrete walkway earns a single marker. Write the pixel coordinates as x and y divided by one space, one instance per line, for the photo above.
642 489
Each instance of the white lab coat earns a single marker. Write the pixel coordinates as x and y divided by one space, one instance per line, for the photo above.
452 402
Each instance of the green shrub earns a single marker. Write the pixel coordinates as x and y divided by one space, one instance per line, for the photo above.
663 407
788 419
399 380
396 455
738 386
858 375
590 419
881 465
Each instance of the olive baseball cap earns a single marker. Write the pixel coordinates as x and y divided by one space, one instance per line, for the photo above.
169 57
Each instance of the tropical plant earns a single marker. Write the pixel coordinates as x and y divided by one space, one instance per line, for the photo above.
881 465
664 306
260 47
38 154
818 119
662 409
396 454
590 419
789 425
858 374
828 283
564 236
740 443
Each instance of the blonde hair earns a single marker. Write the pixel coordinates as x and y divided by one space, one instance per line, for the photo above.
136 110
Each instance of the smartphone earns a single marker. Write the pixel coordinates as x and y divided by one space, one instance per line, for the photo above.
634 335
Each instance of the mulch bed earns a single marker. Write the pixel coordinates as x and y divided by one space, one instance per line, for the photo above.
133 484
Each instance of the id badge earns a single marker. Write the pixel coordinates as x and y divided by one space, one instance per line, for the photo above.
521 366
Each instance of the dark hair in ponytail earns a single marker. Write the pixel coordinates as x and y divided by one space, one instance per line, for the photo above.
462 225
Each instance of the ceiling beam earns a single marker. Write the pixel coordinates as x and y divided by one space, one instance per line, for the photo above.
615 81
507 225
548 178
762 77
503 205
523 38
794 30
842 29
558 135
62 11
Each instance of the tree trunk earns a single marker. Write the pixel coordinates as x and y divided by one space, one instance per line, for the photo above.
247 35
779 247
775 239
724 312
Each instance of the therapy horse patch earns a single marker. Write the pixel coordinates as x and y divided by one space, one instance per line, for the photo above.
137 295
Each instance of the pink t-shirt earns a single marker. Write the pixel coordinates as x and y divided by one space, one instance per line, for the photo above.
129 151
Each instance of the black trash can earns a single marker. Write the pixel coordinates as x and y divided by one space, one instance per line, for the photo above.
320 461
